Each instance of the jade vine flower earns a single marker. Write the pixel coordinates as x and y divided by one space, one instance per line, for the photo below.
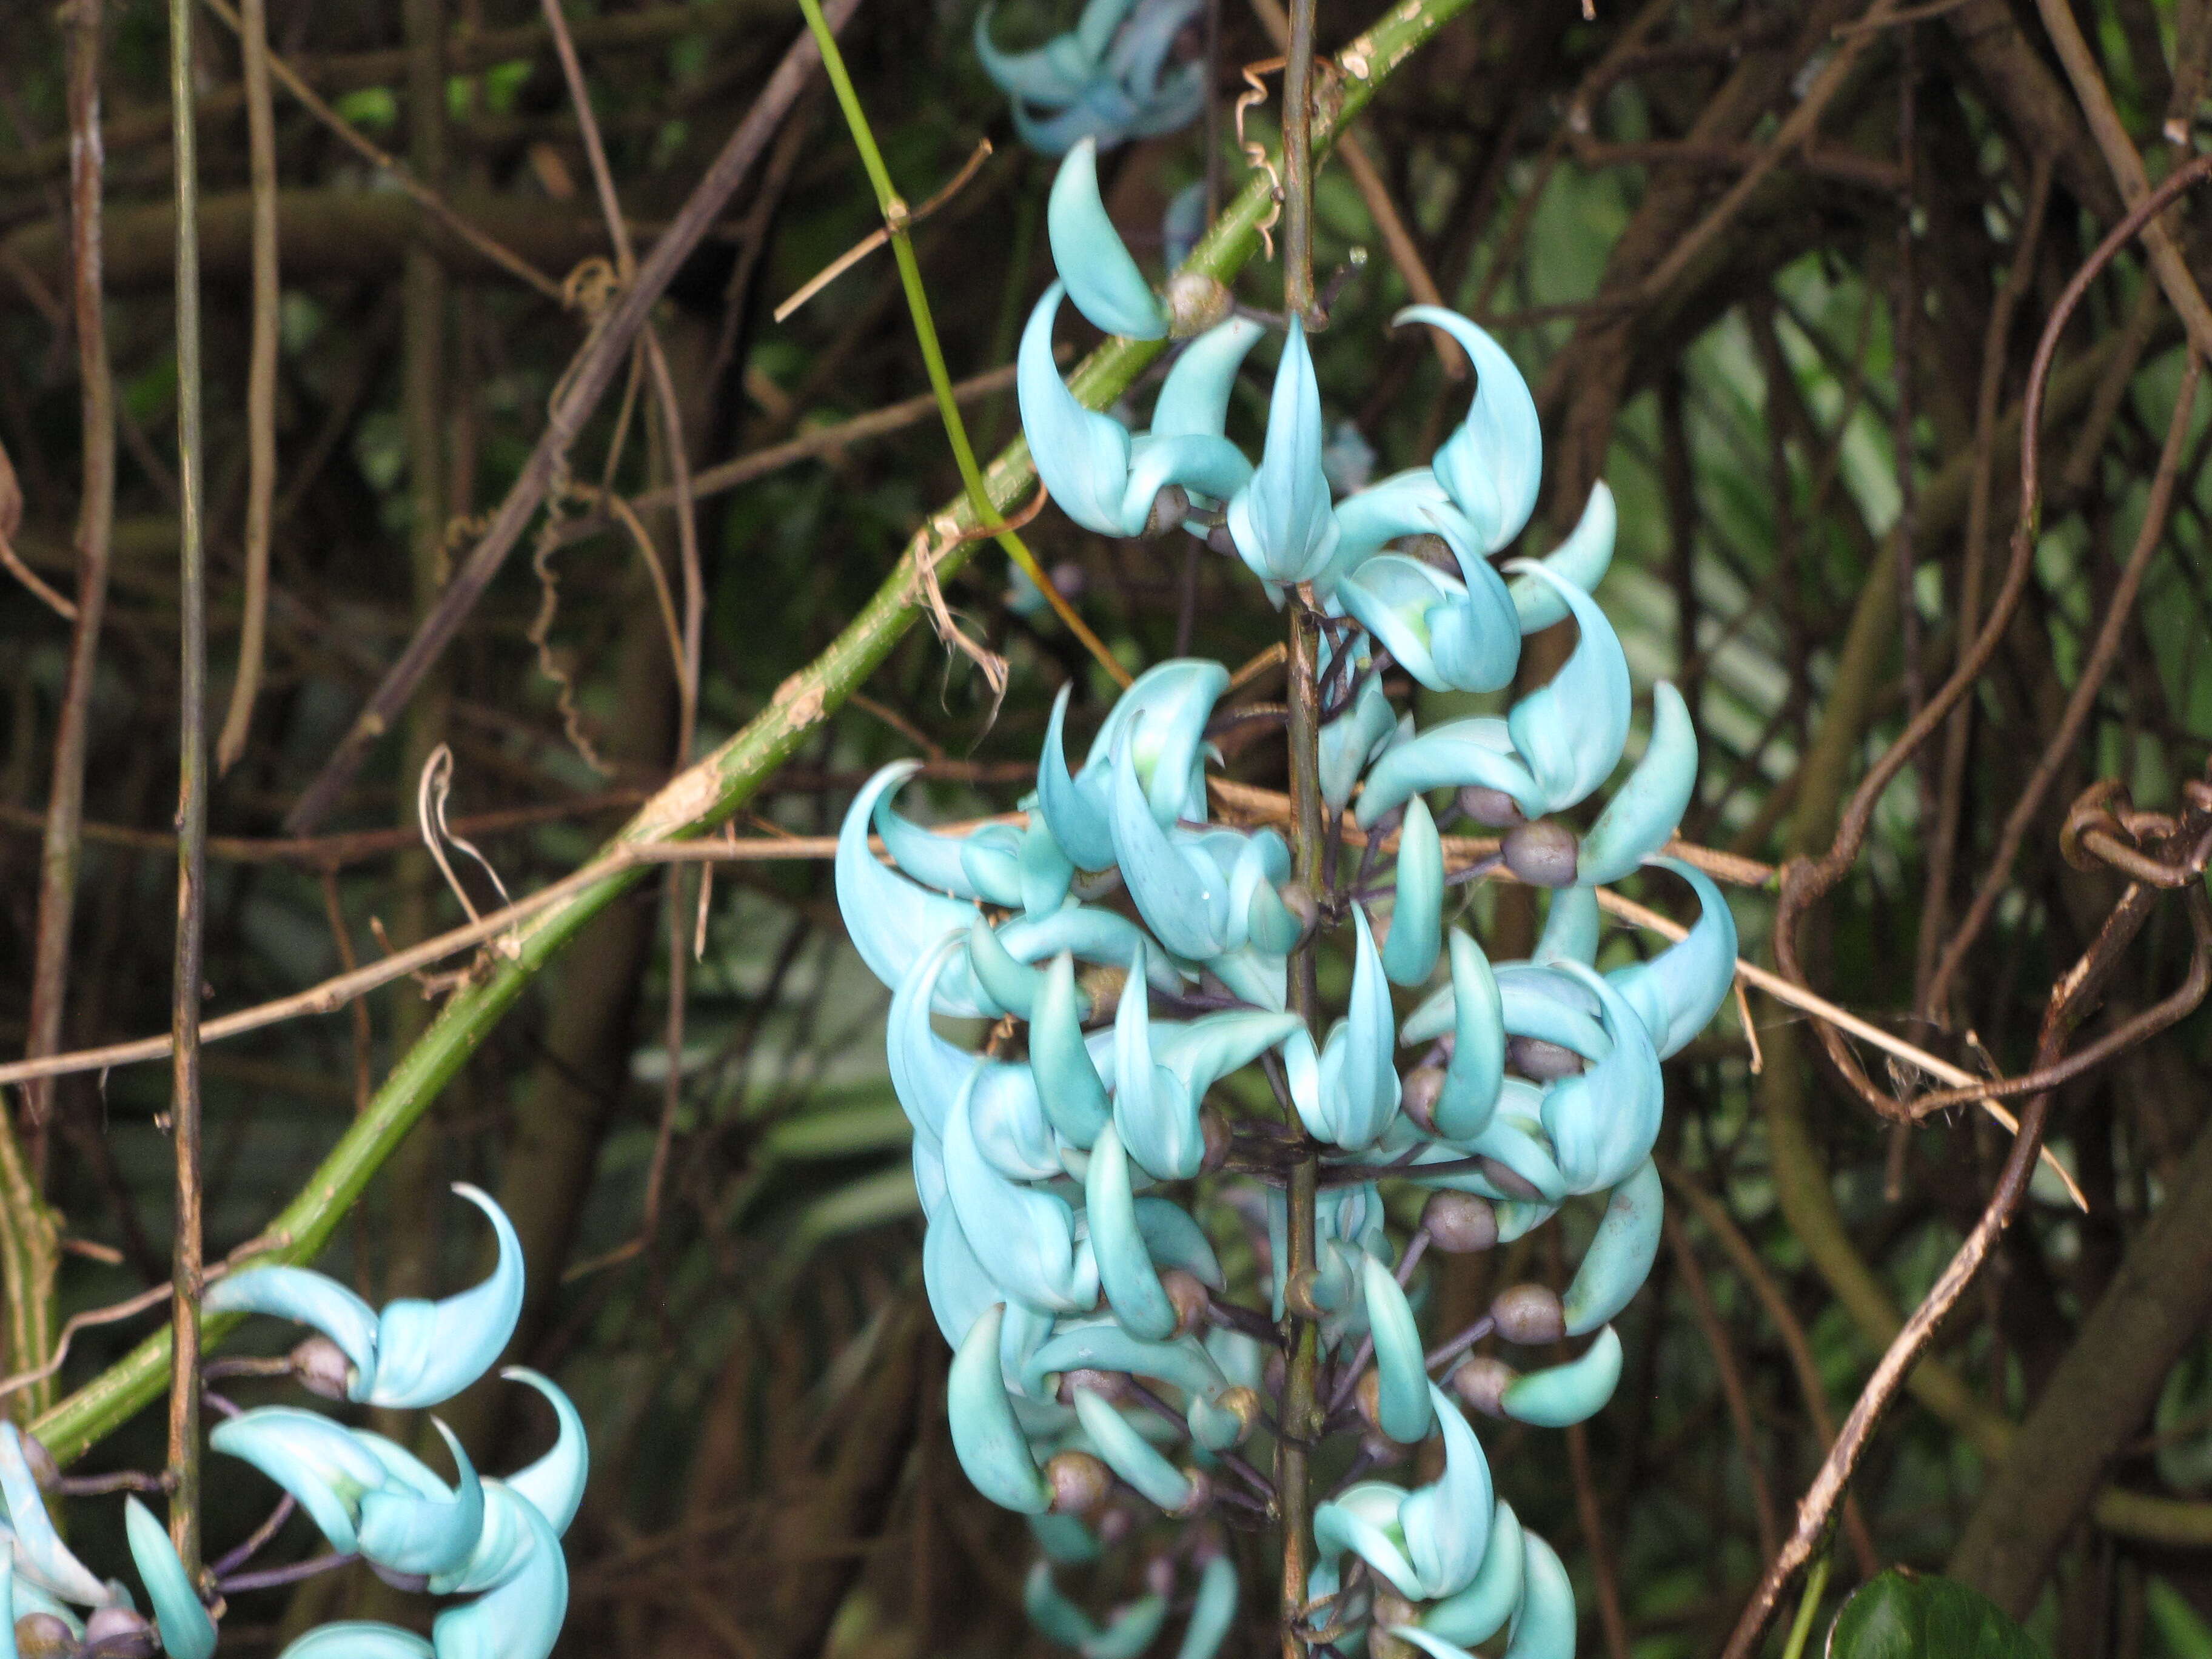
1105 80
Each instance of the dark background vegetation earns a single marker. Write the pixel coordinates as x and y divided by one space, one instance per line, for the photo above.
1810 421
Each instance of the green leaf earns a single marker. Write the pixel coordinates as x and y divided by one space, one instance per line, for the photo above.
1902 1615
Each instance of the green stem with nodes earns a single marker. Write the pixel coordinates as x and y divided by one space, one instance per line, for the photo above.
1801 1629
894 209
704 795
1298 167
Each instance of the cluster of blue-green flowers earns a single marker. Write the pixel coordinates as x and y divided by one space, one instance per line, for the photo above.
1138 950
498 1540
1106 80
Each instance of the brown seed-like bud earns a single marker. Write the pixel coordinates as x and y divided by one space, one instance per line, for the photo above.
1510 1181
1481 1383
118 1633
1417 1095
1528 1314
1492 807
1195 303
1113 1526
1304 909
1541 1061
1186 1294
1218 538
1201 1495
1542 853
1080 1483
1273 1373
1107 1385
44 1636
1160 1575
1069 579
1459 1223
44 1469
322 1368
1369 1395
1390 1610
1430 549
1243 1404
1214 1132
1169 508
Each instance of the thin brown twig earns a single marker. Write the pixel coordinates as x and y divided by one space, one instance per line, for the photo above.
881 235
416 190
260 382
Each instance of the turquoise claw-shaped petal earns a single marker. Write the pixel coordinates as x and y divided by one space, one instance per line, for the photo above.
1621 1252
187 1632
1280 521
1571 730
1539 1003
983 865
1477 750
1559 1395
1644 811
307 1297
1479 1612
520 1618
42 1557
1213 1611
1447 1523
1171 701
358 1638
1032 1254
1055 1618
1571 929
1129 1455
1045 872
8 1604
1475 1075
1055 74
1125 1267
1354 738
1082 456
554 1484
1363 1519
1065 1538
1677 991
1074 812
1451 635
989 1443
1581 559
324 1467
413 1523
1544 1628
958 1287
929 1074
1012 985
1194 400
1088 252
1130 1632
1355 1085
429 1351
1154 1120
893 921
1171 1237
1181 895
1066 1080
1493 461
1603 1119
1409 955
1404 1392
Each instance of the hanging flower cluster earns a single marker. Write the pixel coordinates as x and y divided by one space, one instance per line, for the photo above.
1106 80
1136 951
372 1499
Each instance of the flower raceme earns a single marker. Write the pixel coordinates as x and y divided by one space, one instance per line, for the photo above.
1107 1222
496 1539
1105 81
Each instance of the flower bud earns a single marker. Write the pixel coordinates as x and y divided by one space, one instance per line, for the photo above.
1510 1182
1169 508
1274 1373
44 1469
1214 1132
1080 1483
1195 303
1390 1609
1242 1404
1187 1296
1113 1526
1298 1295
322 1368
1459 1223
1541 1061
1430 549
44 1636
1369 1395
1542 853
1159 1576
1417 1095
1107 1385
118 1633
1201 1495
1481 1383
1528 1314
1069 579
1492 808
1218 538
